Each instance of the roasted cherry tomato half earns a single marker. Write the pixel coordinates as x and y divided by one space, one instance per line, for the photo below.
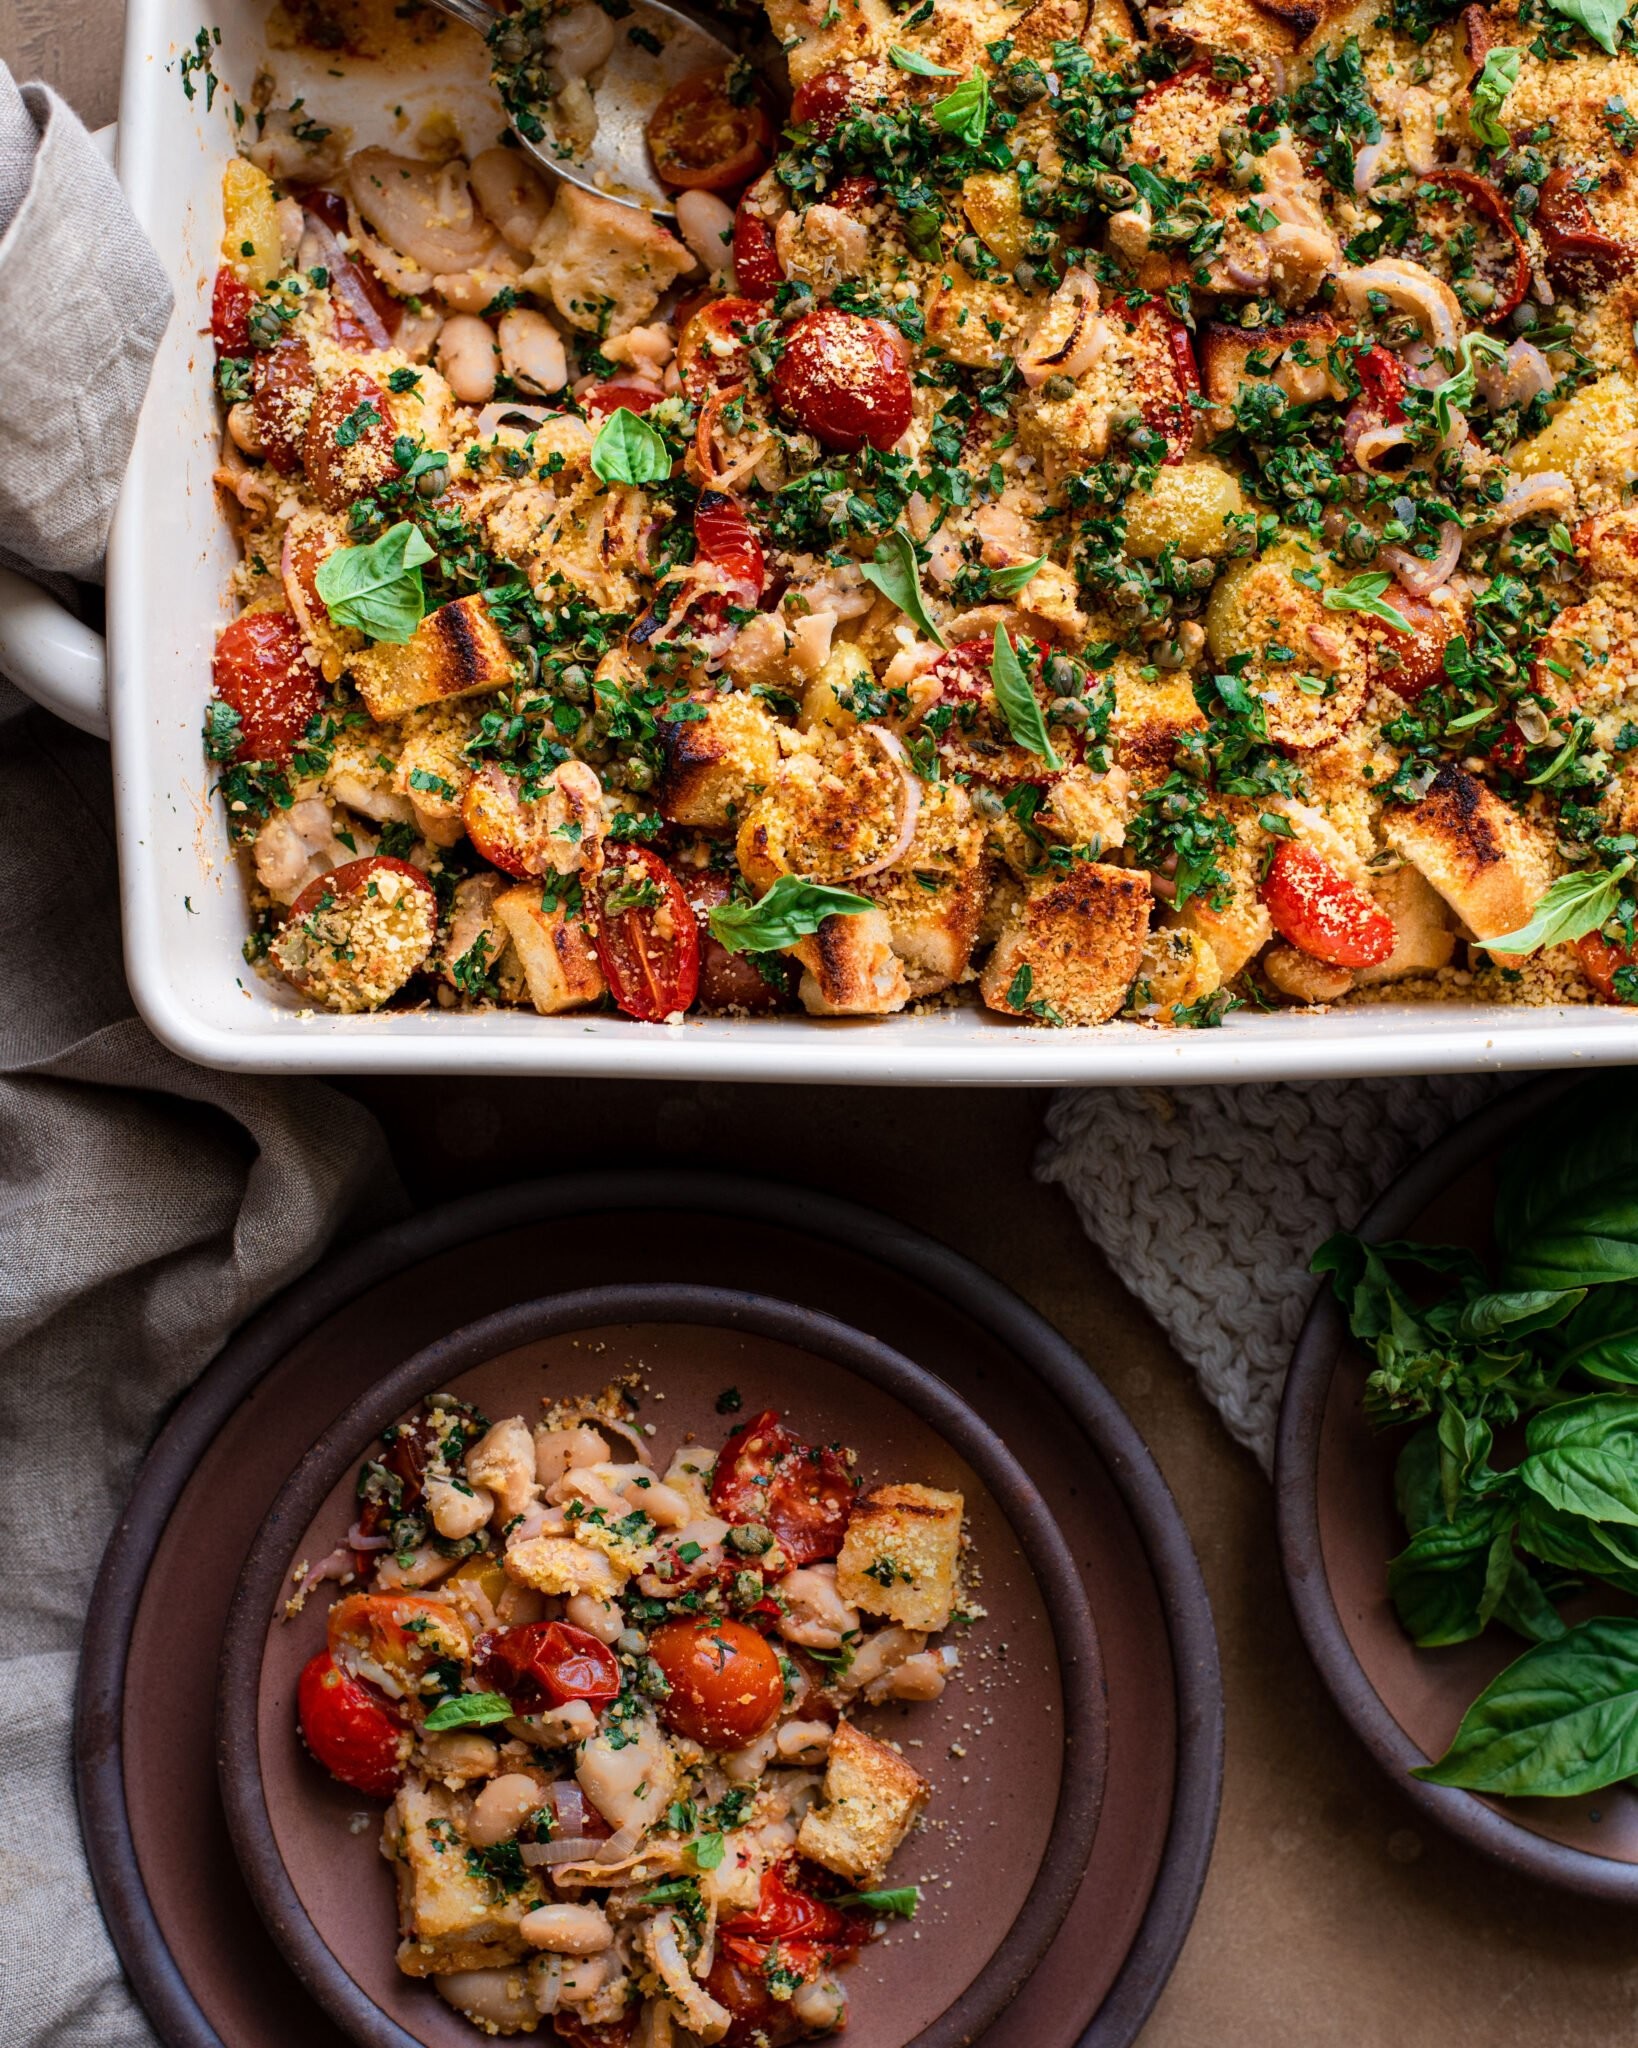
347 449
1165 374
1382 379
727 540
1580 257
260 667
728 981
648 943
785 1914
1317 909
356 290
738 1981
392 1638
511 831
726 1684
846 379
1465 212
283 388
766 1473
702 140
349 1728
546 1664
230 302
711 348
758 272
353 878
1601 962
1408 662
820 103
607 398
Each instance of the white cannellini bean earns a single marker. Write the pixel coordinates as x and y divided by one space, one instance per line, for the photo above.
581 40
816 1616
503 1460
512 193
497 2000
501 1808
560 1450
707 226
560 1729
919 1677
600 1618
467 357
745 1766
458 1511
820 2007
567 1930
459 1753
803 1742
532 351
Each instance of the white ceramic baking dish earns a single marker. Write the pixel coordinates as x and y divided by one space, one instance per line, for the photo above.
184 916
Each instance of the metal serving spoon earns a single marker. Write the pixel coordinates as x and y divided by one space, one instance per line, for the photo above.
655 46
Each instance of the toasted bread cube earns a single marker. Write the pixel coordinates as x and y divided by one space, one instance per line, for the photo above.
456 651
1240 926
1178 967
558 1565
852 969
716 765
1292 358
1070 950
1478 853
449 1914
871 1799
554 949
899 1556
1150 719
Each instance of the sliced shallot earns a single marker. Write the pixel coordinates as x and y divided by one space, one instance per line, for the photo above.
1418 576
909 809
346 280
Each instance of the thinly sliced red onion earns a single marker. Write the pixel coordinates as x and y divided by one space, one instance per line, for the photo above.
1369 439
574 1810
357 1540
338 1565
510 413
1549 491
1365 165
570 1849
629 1434
621 1844
1243 276
345 278
1420 577
909 807
1525 375
297 598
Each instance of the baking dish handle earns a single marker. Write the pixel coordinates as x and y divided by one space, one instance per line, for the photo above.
51 657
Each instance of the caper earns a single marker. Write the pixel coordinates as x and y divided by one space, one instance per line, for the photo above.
631 1642
1359 544
748 1588
969 252
1399 330
1480 292
575 683
651 1680
1113 191
638 774
1025 274
432 483
1025 84
1169 654
986 802
1202 573
796 298
1525 198
750 1539
1062 673
1068 711
264 326
1058 386
512 46
1524 318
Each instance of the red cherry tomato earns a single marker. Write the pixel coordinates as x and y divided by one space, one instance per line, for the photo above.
1382 379
350 1729
765 1473
260 667
405 1457
1476 219
1580 257
400 1634
648 942
977 741
1318 910
1601 962
728 981
726 1684
546 1664
606 398
283 387
230 302
711 348
820 103
702 142
785 1914
1165 375
1408 662
347 449
353 878
727 540
758 272
845 379
738 1981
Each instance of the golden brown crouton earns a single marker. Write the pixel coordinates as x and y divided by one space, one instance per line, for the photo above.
1240 927
852 969
1483 859
449 1915
456 651
717 765
871 1799
554 948
1178 966
935 896
1292 358
1072 947
1150 717
899 1555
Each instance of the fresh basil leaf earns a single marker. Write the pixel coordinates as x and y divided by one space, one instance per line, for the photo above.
469 1710
1009 581
897 575
1446 1583
1019 704
1363 593
708 1851
791 910
1490 89
1600 18
902 1899
1598 1550
1601 1338
1581 1457
1568 909
1559 1721
629 451
1527 1609
1464 1452
378 588
914 62
1519 1314
965 113
1416 1487
1567 1209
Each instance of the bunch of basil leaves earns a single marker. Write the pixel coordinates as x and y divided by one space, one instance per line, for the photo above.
1546 1350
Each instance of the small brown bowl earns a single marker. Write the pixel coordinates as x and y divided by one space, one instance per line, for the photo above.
1015 1749
1333 1479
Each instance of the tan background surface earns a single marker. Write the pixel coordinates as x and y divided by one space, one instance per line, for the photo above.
1330 1914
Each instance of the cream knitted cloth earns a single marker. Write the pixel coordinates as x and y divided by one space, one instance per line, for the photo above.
1209 1202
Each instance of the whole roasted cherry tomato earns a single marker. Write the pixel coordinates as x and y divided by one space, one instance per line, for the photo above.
1315 907
347 449
758 272
1580 257
283 388
230 302
546 1664
1382 379
726 1684
845 379
1601 962
1408 662
395 1637
820 103
701 140
349 1728
260 667
785 1914
1459 210
711 349
610 397
727 540
766 1473
648 943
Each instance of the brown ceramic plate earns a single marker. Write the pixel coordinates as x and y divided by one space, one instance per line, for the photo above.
1338 1527
1008 1843
188 1934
